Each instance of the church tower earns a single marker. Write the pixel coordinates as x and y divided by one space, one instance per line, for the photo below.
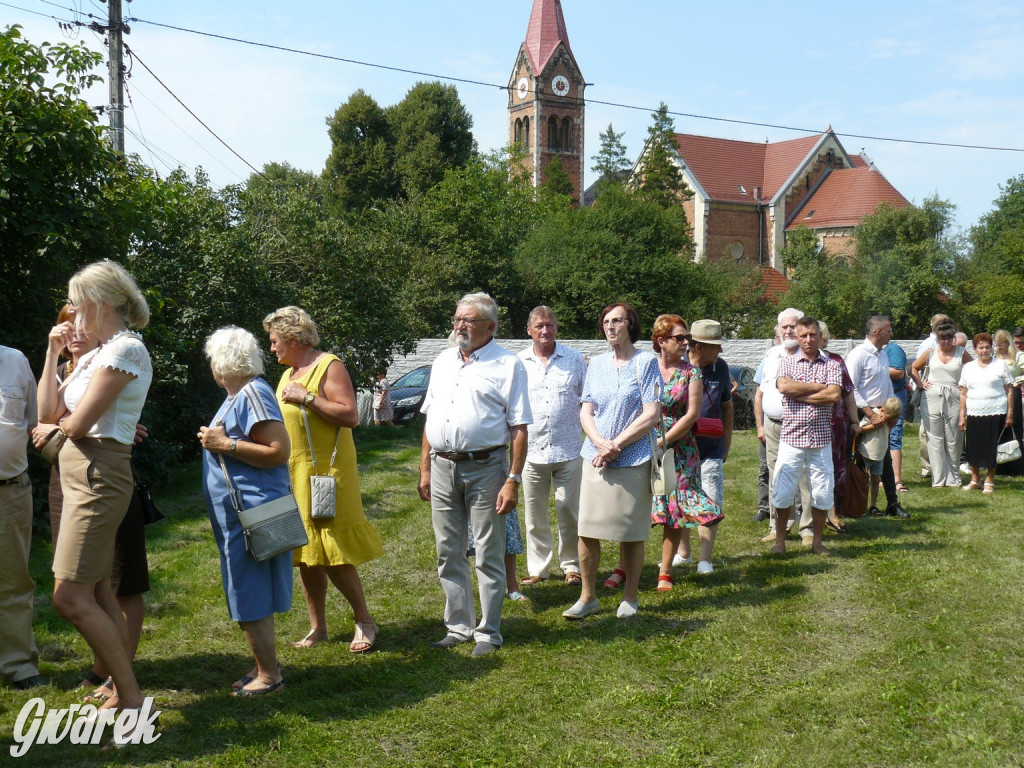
545 98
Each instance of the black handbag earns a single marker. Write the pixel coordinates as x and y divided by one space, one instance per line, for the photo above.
140 495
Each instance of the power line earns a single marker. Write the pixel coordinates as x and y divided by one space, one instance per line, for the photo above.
44 15
213 133
589 101
192 138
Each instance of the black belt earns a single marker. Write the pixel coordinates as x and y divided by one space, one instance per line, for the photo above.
773 421
468 455
13 481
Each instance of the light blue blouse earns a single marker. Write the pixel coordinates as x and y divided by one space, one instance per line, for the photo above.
618 400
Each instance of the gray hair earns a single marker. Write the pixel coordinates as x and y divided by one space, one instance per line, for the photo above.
107 283
793 312
484 304
823 326
292 323
541 311
233 351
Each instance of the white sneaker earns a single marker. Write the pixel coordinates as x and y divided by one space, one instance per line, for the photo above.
627 610
705 566
678 560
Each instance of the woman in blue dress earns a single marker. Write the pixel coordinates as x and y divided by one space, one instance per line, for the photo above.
248 433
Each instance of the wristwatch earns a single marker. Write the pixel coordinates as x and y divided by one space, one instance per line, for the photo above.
517 479
308 399
232 446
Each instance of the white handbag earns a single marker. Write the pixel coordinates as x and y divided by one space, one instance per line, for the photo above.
323 489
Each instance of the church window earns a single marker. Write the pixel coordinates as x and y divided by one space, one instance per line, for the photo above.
566 135
553 137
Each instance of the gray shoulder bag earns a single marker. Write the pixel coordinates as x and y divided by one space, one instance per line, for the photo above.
323 489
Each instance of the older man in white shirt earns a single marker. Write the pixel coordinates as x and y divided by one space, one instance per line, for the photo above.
768 417
19 657
868 366
555 374
476 403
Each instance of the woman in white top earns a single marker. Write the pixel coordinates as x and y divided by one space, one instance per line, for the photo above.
97 407
985 409
939 383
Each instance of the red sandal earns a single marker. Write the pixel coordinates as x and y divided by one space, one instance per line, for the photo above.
664 582
616 580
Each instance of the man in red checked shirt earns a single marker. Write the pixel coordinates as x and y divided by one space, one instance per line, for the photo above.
810 383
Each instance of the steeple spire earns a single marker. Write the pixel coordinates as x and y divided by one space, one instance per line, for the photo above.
545 32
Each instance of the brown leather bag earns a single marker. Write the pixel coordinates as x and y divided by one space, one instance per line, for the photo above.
855 498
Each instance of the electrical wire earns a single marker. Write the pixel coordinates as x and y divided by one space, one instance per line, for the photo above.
44 15
194 115
618 105
192 138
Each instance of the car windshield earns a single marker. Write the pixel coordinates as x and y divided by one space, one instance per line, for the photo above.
417 378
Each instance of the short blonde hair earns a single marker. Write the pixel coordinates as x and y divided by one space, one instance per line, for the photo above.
107 283
892 407
292 323
233 351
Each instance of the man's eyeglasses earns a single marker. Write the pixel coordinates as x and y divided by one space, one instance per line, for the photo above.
457 321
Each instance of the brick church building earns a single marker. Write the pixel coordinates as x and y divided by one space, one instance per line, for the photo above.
746 195
545 98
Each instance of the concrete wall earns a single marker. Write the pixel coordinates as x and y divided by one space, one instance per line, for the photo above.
746 352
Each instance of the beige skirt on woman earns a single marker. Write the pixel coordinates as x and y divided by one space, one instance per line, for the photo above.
96 477
615 502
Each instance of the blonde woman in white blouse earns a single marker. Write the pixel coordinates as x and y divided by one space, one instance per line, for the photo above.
97 407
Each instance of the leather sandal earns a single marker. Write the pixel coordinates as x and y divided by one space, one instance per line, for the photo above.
364 638
531 580
616 579
664 582
311 639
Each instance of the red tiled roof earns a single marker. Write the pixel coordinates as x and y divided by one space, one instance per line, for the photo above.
774 282
781 159
722 166
845 197
859 161
545 32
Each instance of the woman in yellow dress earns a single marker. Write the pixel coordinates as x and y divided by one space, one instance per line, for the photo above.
317 383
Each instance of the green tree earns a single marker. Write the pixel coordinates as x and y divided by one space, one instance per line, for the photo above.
990 274
661 179
611 164
907 261
556 180
361 166
433 133
822 284
623 248
54 170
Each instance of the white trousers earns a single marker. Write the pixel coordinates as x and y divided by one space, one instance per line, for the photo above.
537 482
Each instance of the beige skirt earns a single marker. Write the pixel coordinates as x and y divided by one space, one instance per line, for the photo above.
96 478
615 502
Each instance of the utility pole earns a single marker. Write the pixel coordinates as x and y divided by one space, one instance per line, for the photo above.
115 27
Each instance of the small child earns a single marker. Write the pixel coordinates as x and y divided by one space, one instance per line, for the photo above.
874 442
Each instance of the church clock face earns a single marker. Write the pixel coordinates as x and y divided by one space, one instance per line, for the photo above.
522 87
560 85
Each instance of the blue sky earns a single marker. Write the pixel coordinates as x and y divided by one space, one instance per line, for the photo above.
935 71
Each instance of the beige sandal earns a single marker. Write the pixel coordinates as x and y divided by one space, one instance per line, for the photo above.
989 487
364 638
310 640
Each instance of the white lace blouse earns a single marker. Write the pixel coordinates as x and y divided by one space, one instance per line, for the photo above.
986 393
124 352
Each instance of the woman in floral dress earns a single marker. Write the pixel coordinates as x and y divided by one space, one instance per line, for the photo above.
681 395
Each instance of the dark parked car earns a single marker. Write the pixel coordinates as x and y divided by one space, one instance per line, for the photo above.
407 393
743 397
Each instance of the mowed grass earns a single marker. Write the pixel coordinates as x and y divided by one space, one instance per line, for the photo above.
903 649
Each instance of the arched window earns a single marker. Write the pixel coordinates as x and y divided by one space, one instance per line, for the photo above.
517 132
553 143
526 132
566 137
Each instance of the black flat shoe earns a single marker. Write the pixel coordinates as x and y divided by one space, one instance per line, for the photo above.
837 527
246 693
875 512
